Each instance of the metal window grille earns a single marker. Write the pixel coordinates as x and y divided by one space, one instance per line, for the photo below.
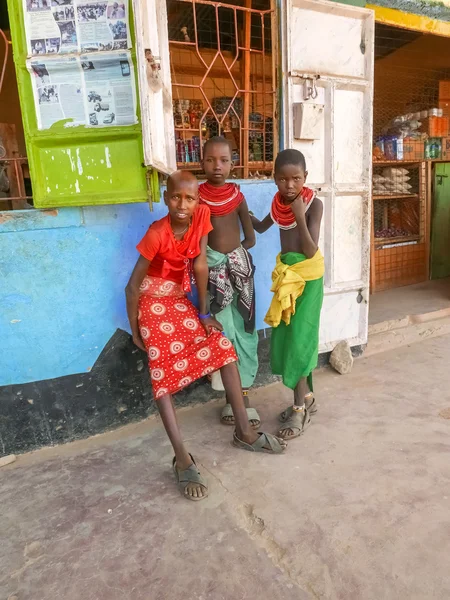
223 80
13 189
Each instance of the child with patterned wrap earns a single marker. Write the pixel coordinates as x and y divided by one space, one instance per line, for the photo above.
182 344
231 270
294 313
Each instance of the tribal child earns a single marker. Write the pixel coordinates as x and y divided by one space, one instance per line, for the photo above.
297 279
231 270
183 344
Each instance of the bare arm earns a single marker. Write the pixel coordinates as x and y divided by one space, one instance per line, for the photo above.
261 226
201 273
249 233
308 227
132 296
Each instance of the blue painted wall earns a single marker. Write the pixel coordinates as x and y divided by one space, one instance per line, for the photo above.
62 279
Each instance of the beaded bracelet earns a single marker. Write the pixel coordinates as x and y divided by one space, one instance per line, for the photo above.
204 316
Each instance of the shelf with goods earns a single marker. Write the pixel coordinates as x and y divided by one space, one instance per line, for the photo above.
395 197
411 132
415 136
397 240
399 217
190 139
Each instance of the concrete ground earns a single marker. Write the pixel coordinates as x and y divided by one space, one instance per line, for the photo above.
409 300
357 509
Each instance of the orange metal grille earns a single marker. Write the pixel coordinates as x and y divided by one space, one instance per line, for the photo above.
13 194
400 228
223 80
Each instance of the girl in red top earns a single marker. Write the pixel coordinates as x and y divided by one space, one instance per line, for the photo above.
182 344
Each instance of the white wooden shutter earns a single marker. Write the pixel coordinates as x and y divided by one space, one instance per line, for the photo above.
155 91
329 47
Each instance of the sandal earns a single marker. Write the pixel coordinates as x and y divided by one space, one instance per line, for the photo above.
276 445
310 403
252 414
294 420
189 475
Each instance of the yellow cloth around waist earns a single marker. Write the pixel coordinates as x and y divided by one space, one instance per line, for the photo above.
288 284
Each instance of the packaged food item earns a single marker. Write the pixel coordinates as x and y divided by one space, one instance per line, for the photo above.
378 179
413 148
391 172
379 143
433 148
377 154
380 189
446 148
393 148
435 126
391 233
181 151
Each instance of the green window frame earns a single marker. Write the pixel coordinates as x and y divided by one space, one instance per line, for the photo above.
109 162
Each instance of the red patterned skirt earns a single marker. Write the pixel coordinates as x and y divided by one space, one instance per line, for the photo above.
179 351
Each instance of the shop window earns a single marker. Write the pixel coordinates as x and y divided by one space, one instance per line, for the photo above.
15 183
82 150
223 81
411 117
411 95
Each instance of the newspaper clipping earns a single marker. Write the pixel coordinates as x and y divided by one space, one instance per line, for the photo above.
96 90
67 26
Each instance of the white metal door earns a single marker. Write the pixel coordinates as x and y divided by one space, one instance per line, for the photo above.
155 88
328 59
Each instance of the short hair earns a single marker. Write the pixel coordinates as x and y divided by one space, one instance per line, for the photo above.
290 157
217 139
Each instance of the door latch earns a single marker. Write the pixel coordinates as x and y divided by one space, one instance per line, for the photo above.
309 88
439 178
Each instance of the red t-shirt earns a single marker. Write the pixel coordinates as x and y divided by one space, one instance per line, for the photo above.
170 257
